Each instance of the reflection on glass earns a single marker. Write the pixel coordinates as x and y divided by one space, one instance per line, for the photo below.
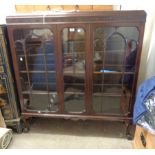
73 40
53 101
36 61
115 50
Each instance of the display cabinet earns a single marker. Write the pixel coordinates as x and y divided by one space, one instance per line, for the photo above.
77 65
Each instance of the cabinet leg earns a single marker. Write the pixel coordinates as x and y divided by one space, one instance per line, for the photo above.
130 131
19 127
26 125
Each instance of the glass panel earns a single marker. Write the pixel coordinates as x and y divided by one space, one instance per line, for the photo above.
74 102
36 60
114 56
37 102
74 68
106 104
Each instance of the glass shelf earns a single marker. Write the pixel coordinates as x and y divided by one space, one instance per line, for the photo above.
38 92
37 71
35 55
112 72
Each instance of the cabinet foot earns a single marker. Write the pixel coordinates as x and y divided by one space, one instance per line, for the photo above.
130 131
26 125
20 127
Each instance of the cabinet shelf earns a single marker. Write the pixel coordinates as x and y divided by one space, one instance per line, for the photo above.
72 83
113 65
113 72
37 71
74 72
35 55
47 64
38 92
49 92
75 41
74 53
119 94
106 51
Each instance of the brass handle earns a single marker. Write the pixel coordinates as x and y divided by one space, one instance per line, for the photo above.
76 7
48 7
143 139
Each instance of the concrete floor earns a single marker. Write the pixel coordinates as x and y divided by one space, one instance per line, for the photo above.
48 133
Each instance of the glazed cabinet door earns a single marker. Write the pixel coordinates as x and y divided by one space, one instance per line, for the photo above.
114 68
35 54
73 56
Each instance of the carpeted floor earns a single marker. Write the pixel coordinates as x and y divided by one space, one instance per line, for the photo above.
48 133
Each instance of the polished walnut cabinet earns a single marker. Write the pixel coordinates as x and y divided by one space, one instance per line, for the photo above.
77 65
